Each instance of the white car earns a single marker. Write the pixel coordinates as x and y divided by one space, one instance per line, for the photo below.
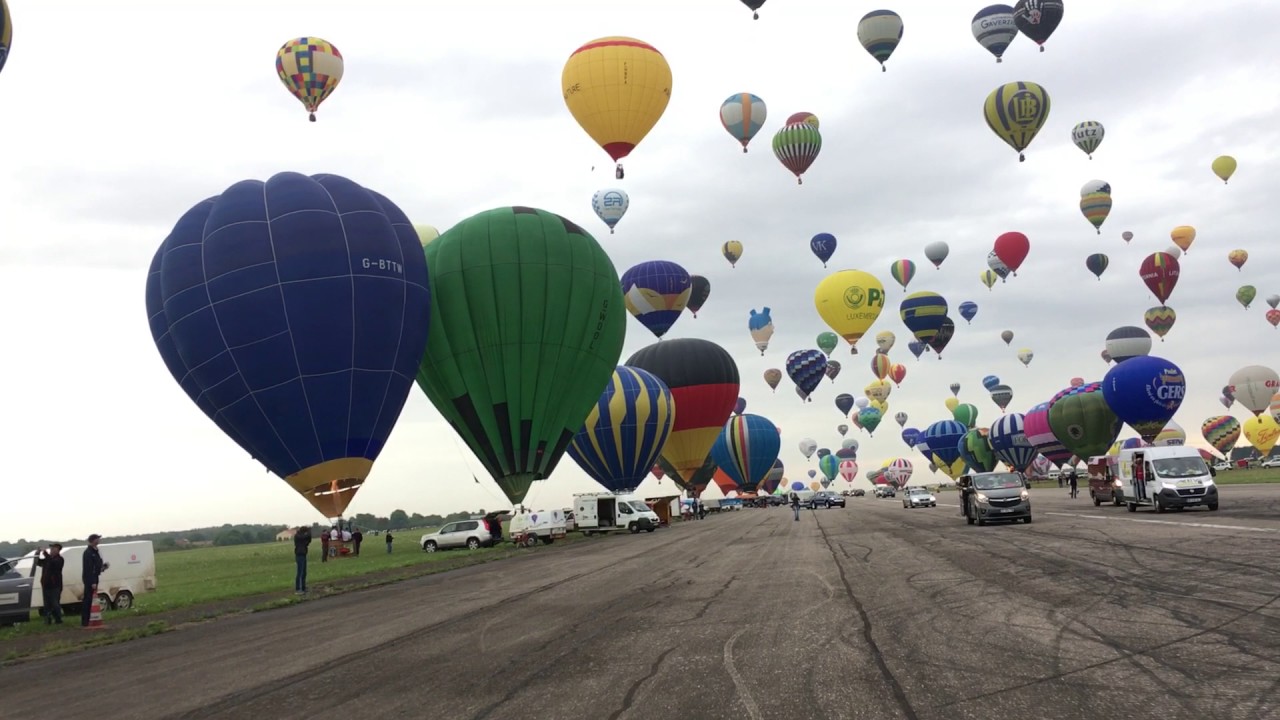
1271 462
1222 465
915 497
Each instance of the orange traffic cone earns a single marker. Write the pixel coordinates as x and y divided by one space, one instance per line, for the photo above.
95 615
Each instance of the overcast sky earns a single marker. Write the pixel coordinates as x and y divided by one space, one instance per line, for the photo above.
450 108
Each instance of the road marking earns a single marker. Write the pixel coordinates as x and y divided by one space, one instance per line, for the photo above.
744 690
1211 526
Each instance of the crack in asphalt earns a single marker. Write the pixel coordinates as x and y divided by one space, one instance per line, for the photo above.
630 697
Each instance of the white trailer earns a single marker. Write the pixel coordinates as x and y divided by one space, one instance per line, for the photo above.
131 571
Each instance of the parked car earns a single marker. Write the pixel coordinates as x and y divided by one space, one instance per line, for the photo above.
858 492
914 497
825 499
885 491
1222 466
1271 462
470 534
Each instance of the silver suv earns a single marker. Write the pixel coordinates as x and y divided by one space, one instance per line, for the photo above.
470 534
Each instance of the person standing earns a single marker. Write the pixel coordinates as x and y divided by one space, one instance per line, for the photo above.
51 561
795 505
90 572
389 539
324 547
1074 482
357 537
301 543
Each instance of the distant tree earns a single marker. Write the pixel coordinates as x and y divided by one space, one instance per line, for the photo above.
399 519
196 537
229 537
167 543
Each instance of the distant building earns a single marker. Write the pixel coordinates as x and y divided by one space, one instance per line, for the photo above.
286 534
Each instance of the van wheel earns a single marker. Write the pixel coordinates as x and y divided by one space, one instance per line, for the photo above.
1133 507
104 600
1117 501
472 543
1155 504
1096 501
634 528
430 546
124 600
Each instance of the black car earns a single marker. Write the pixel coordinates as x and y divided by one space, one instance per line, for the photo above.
858 492
825 499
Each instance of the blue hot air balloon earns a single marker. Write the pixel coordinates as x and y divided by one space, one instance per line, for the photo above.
746 449
844 403
1145 392
610 205
743 114
806 369
740 406
917 348
942 439
911 436
656 293
294 312
1009 441
623 435
773 478
812 474
968 310
797 486
990 381
923 313
824 246
823 452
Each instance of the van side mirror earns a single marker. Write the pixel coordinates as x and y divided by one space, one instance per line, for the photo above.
1213 471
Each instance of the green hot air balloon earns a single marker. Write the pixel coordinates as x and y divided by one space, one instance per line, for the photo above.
1082 421
827 342
1246 294
966 414
526 330
977 452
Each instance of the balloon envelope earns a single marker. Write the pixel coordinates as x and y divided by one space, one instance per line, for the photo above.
619 442
309 67
1015 112
617 113
655 293
746 449
994 29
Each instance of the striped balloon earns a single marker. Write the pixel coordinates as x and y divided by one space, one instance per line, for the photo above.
746 450
806 369
625 431
942 440
848 470
1160 319
1160 272
1009 441
1096 207
994 29
1097 264
830 467
881 365
773 478
923 313
1222 432
902 271
1088 136
743 114
880 31
1015 112
796 146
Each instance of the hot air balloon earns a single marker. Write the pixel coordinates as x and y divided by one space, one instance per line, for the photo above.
1082 420
1006 336
1145 392
900 418
1183 236
732 252
848 470
994 29
917 348
805 367
1106 356
755 5
703 380
823 245
885 340
610 205
1254 386
1037 19
1041 437
1238 258
426 234
988 278
1096 207
850 444
829 466
936 252
1174 250
309 376
833 369
910 436
1228 393
923 313
1172 435
843 429
1273 317
807 447
772 377
827 342
740 406
1126 236
616 88
968 310
1262 432
1016 111
1002 395
1222 432
946 331
1160 273
774 478
1128 342
955 389
849 301
760 324
625 430
1224 166
990 381
796 146
965 414
898 471
869 419
699 479
942 439
880 365
699 292
561 328
655 292
1009 441
880 31
1160 319
897 373
746 449
975 450
997 265
1025 355
1097 264
1246 294
1273 301
1012 248
902 271
742 115
1088 136
309 67
805 117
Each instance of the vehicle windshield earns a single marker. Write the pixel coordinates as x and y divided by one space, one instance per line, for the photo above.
997 481
917 491
1183 467
639 506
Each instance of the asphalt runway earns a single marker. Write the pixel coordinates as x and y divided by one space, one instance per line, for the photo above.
874 611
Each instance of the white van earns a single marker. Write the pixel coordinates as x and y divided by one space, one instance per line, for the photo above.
605 511
537 525
132 572
1166 477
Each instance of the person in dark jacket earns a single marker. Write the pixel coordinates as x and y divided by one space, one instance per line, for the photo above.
324 546
357 537
51 561
90 572
389 539
301 542
795 505
1073 482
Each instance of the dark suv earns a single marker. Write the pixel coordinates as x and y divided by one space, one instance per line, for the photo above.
825 499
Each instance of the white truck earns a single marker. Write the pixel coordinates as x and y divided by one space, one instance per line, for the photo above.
603 512
1166 477
131 572
528 527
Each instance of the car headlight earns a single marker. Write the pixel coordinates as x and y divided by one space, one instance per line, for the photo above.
980 497
1118 483
1025 495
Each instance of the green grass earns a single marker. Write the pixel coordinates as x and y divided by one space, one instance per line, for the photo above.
1245 477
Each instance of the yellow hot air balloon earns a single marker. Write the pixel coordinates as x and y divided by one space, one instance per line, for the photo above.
1015 112
952 404
1262 432
426 233
881 405
1183 236
732 252
878 391
616 88
311 69
1224 166
849 302
988 278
